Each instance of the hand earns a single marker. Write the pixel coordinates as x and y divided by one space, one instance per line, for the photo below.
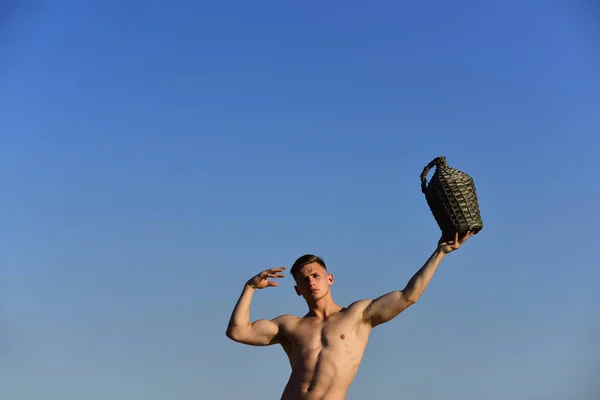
261 280
451 245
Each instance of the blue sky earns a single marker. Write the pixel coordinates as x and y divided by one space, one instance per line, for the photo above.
154 156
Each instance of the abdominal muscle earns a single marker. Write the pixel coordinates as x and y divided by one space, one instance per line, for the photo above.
322 373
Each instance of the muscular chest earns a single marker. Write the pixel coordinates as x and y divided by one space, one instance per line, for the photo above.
312 334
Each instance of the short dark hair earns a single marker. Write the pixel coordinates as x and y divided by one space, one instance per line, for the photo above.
304 260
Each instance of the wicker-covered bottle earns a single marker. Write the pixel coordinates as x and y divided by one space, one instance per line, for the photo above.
452 199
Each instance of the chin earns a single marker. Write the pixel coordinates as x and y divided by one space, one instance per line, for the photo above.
313 296
318 295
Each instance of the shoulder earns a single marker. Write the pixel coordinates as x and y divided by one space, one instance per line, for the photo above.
286 319
358 308
360 305
286 325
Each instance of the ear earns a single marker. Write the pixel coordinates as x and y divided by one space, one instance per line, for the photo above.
330 279
297 291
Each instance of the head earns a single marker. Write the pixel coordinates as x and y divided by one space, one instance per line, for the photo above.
311 277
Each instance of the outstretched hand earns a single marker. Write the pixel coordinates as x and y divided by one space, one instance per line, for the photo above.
261 280
451 245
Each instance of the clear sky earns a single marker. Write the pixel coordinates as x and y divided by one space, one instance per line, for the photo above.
156 155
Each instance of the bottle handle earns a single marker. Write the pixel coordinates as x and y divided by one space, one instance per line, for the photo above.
441 160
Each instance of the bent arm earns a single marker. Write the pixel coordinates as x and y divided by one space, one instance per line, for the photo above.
258 333
389 305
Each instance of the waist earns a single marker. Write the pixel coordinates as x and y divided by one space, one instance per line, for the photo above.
301 392
323 380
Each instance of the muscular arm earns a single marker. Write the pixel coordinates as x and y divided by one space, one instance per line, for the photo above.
389 305
261 332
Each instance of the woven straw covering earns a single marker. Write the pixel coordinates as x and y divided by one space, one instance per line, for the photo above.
452 199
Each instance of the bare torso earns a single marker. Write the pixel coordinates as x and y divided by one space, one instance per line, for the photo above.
324 354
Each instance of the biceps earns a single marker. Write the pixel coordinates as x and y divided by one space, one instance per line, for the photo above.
262 332
386 307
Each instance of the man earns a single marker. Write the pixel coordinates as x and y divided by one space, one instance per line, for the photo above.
325 346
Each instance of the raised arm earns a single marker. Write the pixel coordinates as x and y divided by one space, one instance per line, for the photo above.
389 305
261 332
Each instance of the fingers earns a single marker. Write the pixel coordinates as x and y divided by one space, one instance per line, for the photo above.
272 273
455 243
272 283
273 270
467 235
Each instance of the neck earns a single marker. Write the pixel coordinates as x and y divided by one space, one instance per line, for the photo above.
323 307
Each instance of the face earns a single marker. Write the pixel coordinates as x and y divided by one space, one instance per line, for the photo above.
313 282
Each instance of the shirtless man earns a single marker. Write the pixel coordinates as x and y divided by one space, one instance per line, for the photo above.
325 346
